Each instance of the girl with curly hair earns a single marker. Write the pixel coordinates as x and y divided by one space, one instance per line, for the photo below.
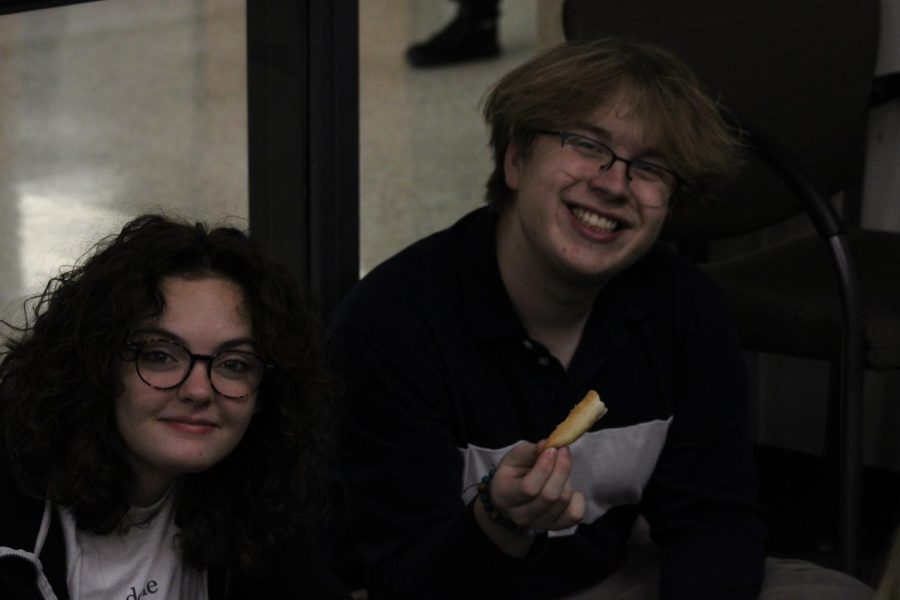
162 422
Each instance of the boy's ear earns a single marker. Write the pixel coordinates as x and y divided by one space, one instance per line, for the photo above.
512 166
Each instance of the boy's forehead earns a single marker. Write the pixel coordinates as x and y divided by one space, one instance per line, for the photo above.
621 119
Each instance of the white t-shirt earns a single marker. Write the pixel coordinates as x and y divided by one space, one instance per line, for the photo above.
143 563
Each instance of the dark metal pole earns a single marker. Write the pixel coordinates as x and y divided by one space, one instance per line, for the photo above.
303 119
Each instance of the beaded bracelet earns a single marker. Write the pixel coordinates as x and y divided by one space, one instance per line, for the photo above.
494 514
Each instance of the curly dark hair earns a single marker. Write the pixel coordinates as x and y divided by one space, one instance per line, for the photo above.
59 377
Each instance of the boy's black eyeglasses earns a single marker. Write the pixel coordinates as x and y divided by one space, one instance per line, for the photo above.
653 183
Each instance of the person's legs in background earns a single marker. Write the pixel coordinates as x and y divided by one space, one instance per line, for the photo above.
471 35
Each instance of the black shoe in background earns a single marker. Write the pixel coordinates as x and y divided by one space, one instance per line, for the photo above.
465 38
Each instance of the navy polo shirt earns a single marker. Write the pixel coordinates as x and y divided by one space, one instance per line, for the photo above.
442 379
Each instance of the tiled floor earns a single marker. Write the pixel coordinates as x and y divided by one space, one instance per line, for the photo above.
424 159
110 109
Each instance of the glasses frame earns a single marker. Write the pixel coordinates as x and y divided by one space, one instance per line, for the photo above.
565 135
135 347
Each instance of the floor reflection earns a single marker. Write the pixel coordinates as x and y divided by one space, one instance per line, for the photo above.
109 110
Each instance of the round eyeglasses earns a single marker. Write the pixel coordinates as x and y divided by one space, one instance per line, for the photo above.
652 184
164 365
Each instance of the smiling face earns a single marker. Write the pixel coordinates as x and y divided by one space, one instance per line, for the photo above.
572 221
189 428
